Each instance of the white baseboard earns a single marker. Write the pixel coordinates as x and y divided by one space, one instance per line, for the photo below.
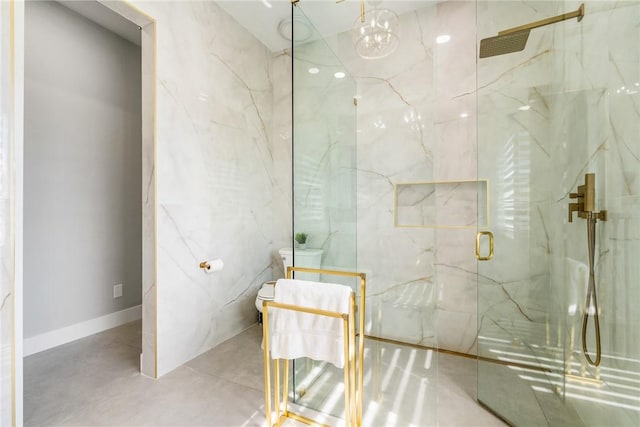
67 334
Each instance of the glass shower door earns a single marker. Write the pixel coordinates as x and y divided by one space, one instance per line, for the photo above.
598 121
567 105
324 188
341 188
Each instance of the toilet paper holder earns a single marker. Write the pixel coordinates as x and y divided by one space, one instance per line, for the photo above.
212 265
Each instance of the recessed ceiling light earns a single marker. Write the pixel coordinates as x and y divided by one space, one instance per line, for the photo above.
464 115
314 70
339 75
443 38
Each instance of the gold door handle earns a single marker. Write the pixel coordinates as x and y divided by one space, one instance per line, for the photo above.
478 237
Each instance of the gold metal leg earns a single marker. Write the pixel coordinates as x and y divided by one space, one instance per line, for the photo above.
347 365
276 374
353 365
360 364
285 386
267 365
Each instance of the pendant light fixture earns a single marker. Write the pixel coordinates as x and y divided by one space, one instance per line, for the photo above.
375 33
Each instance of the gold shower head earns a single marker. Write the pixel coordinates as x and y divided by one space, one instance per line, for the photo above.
515 39
508 43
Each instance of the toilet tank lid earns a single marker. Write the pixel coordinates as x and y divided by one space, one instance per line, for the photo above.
289 251
266 293
309 251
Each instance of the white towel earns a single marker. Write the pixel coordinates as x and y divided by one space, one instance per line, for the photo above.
295 334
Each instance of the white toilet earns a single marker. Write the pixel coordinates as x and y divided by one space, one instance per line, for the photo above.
311 258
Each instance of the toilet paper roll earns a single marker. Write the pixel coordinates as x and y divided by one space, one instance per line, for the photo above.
214 265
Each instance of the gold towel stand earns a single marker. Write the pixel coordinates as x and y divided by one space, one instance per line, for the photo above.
353 368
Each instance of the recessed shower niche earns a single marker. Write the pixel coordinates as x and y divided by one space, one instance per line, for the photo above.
441 204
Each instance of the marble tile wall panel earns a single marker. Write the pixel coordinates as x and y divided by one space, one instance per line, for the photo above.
456 159
281 133
410 129
514 151
579 83
596 122
441 203
324 155
396 114
214 176
397 138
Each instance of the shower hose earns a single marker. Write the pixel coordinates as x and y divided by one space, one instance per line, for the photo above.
592 300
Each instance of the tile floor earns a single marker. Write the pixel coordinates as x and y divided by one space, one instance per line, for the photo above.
96 381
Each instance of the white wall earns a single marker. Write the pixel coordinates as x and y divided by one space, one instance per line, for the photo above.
82 212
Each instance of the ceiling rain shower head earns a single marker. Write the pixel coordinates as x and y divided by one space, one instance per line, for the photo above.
515 39
508 43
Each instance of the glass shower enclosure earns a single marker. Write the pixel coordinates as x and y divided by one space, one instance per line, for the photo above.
565 106
448 145
344 197
324 188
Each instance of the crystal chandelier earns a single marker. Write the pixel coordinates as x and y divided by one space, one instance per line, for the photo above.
375 34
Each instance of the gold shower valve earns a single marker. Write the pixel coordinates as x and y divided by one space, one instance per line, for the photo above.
578 206
586 201
602 215
575 207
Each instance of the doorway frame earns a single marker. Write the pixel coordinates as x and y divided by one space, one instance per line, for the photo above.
148 48
149 355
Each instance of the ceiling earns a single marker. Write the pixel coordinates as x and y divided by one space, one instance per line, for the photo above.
262 17
105 17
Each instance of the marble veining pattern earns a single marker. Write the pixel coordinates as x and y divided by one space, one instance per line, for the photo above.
215 176
565 106
410 129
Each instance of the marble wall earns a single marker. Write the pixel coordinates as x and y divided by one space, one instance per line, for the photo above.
396 143
565 106
595 121
415 123
324 130
281 136
215 176
222 153
515 151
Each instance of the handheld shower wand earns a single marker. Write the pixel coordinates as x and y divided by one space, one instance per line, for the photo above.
591 295
585 206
